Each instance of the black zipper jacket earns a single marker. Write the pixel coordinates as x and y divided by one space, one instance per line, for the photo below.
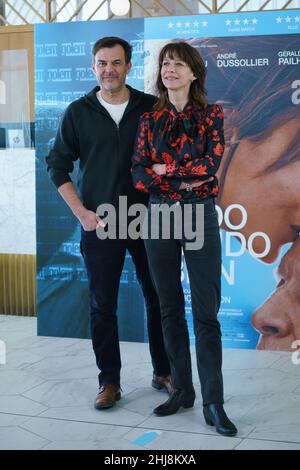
88 133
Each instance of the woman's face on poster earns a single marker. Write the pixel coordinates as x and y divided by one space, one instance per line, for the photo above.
271 200
278 318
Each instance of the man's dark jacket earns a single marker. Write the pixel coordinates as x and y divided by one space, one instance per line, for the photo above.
88 133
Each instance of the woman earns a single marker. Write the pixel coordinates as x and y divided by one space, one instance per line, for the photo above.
178 151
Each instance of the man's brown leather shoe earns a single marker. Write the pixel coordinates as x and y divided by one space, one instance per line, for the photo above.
107 396
165 383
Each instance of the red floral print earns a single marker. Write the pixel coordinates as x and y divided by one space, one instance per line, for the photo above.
189 143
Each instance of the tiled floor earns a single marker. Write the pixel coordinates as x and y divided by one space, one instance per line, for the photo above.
48 385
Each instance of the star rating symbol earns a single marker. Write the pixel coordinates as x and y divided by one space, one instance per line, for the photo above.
288 19
237 22
187 24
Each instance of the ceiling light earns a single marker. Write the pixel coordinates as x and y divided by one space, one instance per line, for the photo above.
119 7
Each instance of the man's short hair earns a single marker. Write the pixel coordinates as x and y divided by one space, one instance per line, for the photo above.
111 41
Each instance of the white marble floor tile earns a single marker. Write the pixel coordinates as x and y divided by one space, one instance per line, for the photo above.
36 342
236 407
46 347
143 400
282 432
191 421
59 393
286 365
234 359
53 393
20 406
136 375
15 382
9 322
20 358
135 353
170 440
65 367
22 340
12 420
54 382
115 415
101 444
15 438
17 339
257 381
275 409
63 430
251 444
140 375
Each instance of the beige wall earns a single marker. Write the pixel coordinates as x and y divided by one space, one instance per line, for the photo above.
20 37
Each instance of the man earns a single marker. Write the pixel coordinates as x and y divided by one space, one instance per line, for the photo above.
99 130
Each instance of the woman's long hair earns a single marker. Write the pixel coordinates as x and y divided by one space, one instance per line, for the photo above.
192 58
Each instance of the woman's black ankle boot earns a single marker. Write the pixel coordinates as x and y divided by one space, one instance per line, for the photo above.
177 399
214 415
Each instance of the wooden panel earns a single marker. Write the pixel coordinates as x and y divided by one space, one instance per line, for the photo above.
17 284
